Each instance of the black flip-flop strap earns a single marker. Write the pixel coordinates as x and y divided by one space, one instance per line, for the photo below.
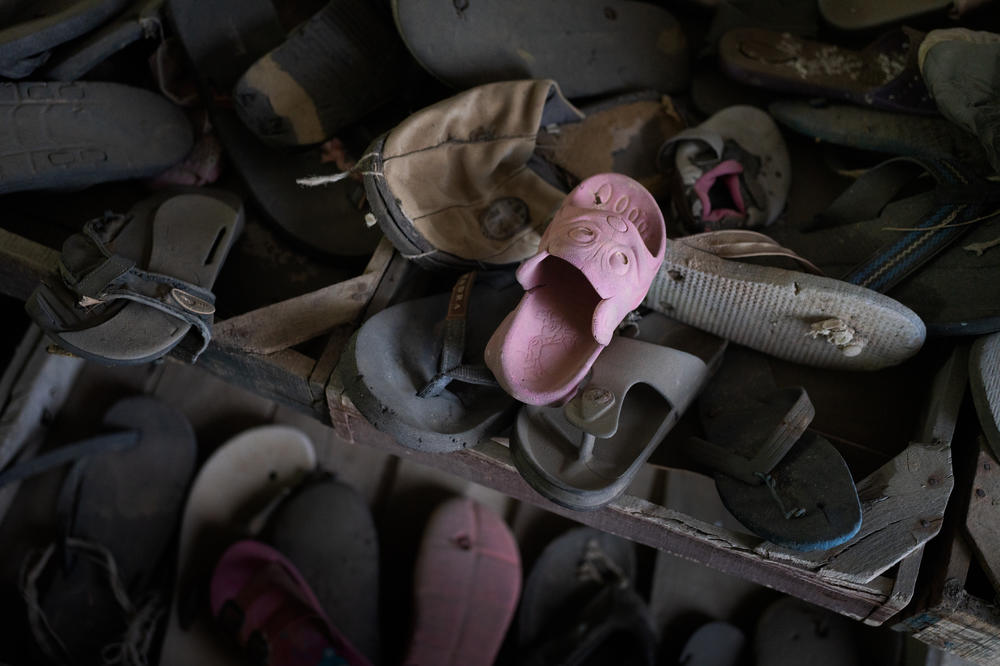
118 278
450 365
614 609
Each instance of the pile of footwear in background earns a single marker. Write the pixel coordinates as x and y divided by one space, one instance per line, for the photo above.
608 186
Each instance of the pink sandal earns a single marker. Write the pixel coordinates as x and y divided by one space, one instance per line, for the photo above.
596 261
262 599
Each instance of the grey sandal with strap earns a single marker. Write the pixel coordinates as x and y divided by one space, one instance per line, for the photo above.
585 454
134 286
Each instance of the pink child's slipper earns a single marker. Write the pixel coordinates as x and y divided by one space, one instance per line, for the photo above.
595 263
262 599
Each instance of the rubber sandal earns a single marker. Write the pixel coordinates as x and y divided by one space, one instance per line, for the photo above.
467 583
594 265
325 529
326 219
259 596
450 194
792 631
93 592
580 606
895 134
883 75
927 251
731 171
786 485
141 20
29 30
75 135
960 68
793 315
585 454
984 377
331 71
134 286
714 644
590 48
861 15
415 370
240 480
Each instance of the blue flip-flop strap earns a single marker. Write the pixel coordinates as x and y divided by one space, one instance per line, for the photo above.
957 213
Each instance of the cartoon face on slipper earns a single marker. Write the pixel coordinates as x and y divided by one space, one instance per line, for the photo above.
611 229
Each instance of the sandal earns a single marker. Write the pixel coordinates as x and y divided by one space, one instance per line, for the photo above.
450 194
908 247
327 219
580 605
260 598
883 75
63 136
591 48
467 582
415 370
594 265
240 480
92 593
134 286
794 315
786 485
585 454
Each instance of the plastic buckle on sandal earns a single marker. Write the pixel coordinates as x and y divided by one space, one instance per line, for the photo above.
192 303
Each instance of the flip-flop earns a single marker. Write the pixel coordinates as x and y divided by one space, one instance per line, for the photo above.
31 28
928 250
466 586
135 285
984 377
896 134
883 75
861 15
585 454
961 68
260 597
714 644
73 135
118 508
141 20
594 265
326 219
580 605
786 485
240 480
731 171
793 315
333 69
415 370
591 47
470 182
325 529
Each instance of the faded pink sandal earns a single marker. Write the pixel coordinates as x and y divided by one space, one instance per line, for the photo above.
595 263
261 598
467 584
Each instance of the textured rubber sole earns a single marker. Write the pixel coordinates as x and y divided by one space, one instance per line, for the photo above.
795 316
984 378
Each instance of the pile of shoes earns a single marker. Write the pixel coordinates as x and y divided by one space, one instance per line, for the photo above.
610 187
